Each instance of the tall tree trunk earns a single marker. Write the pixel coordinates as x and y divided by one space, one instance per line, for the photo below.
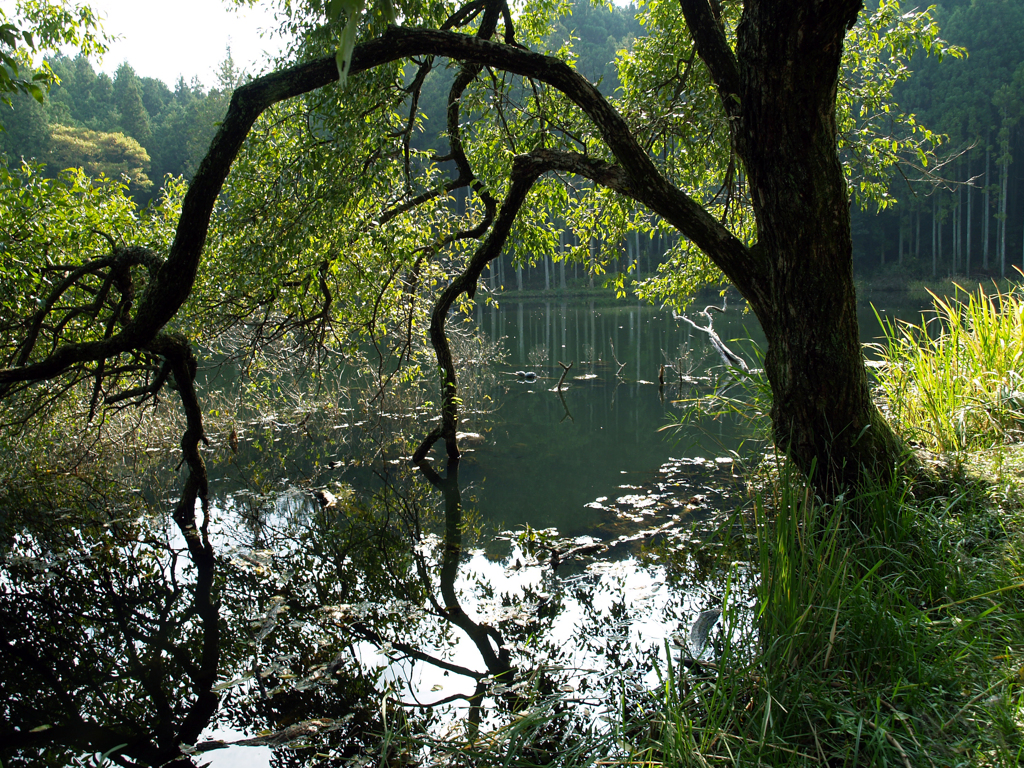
822 412
938 239
917 238
899 255
1004 173
958 230
591 260
970 212
561 261
988 209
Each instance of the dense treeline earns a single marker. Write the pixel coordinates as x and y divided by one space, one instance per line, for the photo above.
130 125
598 34
968 218
965 216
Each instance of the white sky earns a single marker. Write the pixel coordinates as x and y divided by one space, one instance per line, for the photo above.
168 38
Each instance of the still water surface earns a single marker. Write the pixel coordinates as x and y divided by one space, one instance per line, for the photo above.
450 598
545 457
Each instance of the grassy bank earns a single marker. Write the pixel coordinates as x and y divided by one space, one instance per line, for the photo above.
889 626
888 632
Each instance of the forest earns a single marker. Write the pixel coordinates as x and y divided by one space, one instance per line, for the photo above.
362 410
971 220
125 125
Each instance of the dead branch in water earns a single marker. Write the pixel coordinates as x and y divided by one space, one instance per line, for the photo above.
729 358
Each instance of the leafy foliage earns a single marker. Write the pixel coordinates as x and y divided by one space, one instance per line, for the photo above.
162 131
100 155
878 138
41 25
954 380
56 228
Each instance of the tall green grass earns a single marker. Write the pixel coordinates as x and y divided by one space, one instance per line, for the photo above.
887 631
955 381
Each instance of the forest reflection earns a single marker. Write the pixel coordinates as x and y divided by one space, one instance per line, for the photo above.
349 617
550 569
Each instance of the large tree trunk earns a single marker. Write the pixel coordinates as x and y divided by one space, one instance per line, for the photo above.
822 412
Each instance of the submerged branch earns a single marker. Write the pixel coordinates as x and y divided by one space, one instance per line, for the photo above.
565 370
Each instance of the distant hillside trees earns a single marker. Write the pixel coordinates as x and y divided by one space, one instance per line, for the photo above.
598 33
100 154
972 220
127 124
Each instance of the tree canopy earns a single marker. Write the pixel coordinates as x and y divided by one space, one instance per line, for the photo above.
313 216
172 129
41 25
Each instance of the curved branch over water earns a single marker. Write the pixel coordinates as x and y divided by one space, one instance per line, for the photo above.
797 278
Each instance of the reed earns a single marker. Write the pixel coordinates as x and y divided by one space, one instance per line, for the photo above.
954 382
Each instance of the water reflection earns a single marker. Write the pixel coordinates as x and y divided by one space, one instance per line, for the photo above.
296 633
109 640
603 430
123 635
488 641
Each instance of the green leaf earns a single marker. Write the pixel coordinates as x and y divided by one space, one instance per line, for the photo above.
343 58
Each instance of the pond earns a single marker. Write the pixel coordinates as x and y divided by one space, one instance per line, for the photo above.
343 594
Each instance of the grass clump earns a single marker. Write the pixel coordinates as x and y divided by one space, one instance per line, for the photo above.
887 631
955 381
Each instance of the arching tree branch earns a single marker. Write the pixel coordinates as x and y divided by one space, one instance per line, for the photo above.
173 282
705 23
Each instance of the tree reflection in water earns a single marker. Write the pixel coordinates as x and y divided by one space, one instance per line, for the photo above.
137 637
109 640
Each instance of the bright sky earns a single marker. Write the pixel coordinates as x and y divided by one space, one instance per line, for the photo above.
168 38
